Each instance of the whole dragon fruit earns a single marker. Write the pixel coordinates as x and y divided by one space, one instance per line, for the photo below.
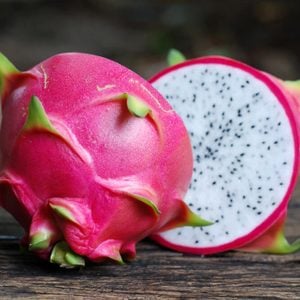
93 159
244 127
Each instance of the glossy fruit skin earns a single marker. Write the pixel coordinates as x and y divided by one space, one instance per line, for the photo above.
86 170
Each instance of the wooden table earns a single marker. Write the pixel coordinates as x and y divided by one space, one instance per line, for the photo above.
156 273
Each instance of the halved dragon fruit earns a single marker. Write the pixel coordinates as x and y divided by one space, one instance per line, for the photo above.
244 127
93 159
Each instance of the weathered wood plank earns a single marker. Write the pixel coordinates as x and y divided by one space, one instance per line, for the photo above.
156 273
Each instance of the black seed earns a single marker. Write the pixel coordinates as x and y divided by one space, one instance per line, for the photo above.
248 145
253 126
269 148
179 233
279 123
226 232
214 183
196 242
190 81
207 133
259 212
199 208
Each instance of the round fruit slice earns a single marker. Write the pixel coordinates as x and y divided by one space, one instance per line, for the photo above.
244 133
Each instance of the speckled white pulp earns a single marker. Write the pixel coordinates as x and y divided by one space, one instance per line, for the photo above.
243 150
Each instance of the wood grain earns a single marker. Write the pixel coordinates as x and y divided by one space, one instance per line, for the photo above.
156 273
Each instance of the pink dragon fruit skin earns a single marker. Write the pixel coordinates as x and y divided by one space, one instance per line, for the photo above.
93 159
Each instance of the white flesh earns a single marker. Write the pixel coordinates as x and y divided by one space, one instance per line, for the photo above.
243 150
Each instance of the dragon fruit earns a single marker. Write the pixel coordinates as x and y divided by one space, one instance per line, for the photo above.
244 127
93 159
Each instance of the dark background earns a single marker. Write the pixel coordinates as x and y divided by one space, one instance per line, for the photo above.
139 33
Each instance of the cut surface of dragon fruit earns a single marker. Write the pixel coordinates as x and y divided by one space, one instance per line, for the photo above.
93 159
244 134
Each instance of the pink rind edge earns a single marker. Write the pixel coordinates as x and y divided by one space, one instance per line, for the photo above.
273 217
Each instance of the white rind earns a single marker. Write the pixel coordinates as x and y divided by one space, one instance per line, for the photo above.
262 180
